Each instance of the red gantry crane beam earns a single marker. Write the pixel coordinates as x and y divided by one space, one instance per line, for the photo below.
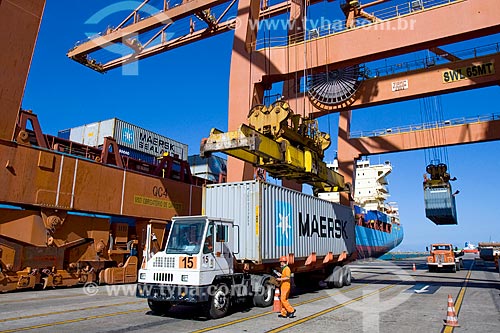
446 134
456 21
164 17
435 80
126 34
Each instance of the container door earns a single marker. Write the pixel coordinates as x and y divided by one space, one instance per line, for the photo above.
224 245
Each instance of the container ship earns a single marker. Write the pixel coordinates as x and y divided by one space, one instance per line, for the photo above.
377 222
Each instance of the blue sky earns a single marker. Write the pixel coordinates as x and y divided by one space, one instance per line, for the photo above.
183 93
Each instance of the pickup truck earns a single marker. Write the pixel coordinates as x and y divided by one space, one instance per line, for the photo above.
442 256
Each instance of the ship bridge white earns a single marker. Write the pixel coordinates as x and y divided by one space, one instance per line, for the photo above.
371 186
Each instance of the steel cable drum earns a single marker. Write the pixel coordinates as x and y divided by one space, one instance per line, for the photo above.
337 86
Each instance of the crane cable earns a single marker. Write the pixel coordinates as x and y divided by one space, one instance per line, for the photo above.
304 25
432 115
267 95
288 52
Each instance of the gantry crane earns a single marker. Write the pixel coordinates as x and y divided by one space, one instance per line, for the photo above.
329 58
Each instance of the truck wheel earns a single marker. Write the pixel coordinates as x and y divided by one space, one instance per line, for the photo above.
218 304
159 307
265 297
338 278
432 269
347 275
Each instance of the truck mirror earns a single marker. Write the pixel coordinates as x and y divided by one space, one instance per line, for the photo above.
427 248
456 248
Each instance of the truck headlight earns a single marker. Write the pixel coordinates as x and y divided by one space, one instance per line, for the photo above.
184 278
142 276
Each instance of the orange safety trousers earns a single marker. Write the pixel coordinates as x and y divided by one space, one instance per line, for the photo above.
284 293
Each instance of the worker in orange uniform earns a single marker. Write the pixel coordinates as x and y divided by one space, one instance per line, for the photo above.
286 309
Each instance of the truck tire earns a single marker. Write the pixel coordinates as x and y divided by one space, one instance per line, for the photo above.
265 297
432 269
218 304
347 275
159 307
338 278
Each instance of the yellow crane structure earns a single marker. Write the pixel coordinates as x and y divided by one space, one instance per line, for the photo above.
283 143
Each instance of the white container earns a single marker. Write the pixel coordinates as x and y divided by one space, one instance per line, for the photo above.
275 221
127 135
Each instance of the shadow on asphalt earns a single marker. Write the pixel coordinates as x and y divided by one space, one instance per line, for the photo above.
196 312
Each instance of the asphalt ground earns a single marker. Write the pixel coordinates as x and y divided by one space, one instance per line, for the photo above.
383 297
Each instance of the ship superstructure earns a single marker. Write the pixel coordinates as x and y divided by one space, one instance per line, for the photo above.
371 186
377 221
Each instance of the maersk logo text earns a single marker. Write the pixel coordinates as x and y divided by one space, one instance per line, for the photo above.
284 224
128 136
327 227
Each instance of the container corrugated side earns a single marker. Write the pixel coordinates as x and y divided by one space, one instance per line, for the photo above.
64 134
76 134
275 221
128 135
440 205
93 134
139 139
440 199
211 168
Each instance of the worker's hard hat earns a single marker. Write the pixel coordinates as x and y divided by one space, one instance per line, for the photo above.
283 259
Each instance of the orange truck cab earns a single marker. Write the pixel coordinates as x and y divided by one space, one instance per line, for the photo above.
442 256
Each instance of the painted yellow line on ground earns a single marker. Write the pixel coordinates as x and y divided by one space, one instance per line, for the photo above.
459 300
42 298
76 320
67 311
336 307
211 328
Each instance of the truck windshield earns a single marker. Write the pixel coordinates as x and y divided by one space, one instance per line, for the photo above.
441 247
186 237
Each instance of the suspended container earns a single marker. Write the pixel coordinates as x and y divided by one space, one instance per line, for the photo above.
440 205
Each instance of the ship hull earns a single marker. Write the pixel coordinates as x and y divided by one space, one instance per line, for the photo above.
372 243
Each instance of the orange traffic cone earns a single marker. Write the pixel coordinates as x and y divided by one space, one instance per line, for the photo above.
277 302
451 316
414 268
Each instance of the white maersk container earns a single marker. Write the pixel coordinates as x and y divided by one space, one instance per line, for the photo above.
129 136
275 221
